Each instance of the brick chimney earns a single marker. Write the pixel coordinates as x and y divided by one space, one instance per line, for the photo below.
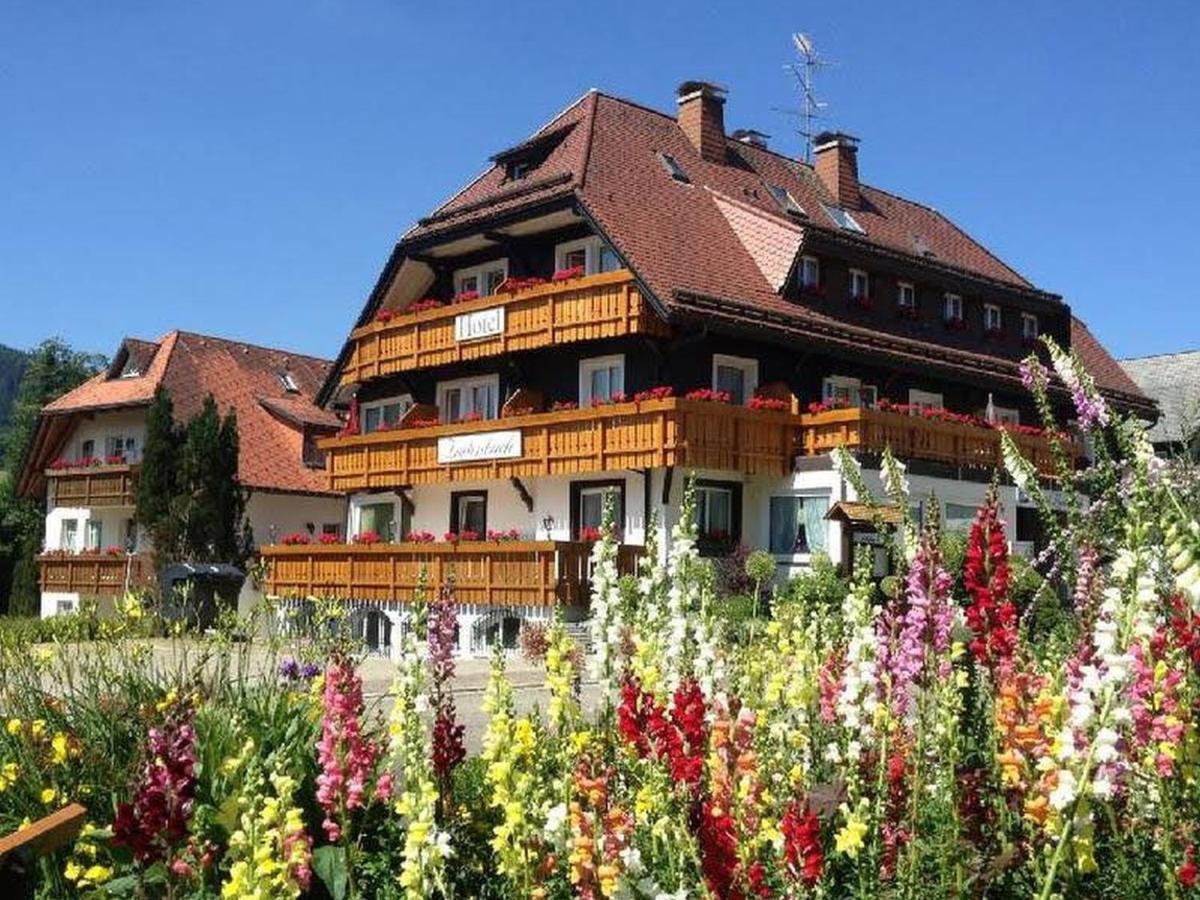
701 117
836 162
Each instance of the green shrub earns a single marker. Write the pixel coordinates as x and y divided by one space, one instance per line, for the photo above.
820 586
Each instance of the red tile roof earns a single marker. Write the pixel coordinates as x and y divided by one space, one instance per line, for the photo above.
244 377
721 239
1109 375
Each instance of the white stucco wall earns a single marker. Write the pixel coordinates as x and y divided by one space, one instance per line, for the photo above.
272 515
125 422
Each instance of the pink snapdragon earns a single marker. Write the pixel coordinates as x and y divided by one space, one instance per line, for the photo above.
448 748
348 760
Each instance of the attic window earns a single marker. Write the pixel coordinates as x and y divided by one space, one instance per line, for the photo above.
785 200
130 369
921 246
518 169
289 383
843 219
522 159
674 169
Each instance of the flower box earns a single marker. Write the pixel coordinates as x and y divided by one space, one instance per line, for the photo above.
567 274
812 290
775 404
424 304
655 393
421 537
367 537
993 334
328 539
907 312
862 301
295 539
955 324
708 395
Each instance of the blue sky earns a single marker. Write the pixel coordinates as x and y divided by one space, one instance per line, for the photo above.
243 168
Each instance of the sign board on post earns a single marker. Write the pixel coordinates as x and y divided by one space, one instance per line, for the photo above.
483 323
462 448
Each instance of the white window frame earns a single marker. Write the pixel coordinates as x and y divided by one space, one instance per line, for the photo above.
797 556
84 452
857 276
1028 333
901 288
358 503
990 310
467 386
704 526
479 273
93 528
127 444
952 307
810 265
854 385
404 400
1008 415
593 248
70 542
748 366
919 400
594 364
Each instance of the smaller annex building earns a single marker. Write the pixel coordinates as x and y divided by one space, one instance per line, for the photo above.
87 452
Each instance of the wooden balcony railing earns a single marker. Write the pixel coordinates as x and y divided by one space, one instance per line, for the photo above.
582 309
94 574
635 435
92 486
506 573
915 437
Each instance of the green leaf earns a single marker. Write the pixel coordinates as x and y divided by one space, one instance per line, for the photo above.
227 815
121 887
329 862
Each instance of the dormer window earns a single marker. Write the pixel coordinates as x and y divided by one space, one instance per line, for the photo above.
591 254
810 273
518 170
843 219
906 295
952 309
674 169
522 159
288 382
786 201
1029 327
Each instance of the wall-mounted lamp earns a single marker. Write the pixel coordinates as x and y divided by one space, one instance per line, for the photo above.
548 524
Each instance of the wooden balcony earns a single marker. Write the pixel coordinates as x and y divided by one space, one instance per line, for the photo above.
504 573
635 435
94 574
94 486
582 309
915 437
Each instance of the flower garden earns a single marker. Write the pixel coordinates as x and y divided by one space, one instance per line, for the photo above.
937 732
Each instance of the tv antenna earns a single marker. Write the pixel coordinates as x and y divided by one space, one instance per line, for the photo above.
804 71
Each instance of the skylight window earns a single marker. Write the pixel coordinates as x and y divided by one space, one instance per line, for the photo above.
843 219
674 169
785 200
921 246
289 383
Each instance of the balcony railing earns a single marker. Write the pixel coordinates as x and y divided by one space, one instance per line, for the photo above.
635 435
94 574
92 486
917 437
505 573
582 309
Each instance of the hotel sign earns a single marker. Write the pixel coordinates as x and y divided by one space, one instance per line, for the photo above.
484 323
463 448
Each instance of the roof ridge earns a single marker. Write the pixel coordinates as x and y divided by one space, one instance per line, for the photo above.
253 345
1125 359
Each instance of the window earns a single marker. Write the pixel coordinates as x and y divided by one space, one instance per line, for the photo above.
719 511
94 535
131 536
289 383
906 295
674 169
468 398
1006 415
991 317
380 415
482 279
810 272
332 528
130 369
842 218
844 391
957 517
920 400
860 284
68 534
1029 326
468 512
601 379
64 607
785 200
590 254
953 308
798 523
87 449
587 506
124 446
379 518
735 374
